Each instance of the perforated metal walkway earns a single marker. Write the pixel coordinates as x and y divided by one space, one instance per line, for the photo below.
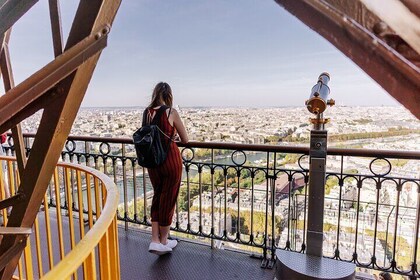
188 261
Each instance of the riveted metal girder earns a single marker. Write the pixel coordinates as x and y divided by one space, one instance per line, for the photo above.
58 89
372 38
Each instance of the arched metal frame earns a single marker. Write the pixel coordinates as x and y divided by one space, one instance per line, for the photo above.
381 37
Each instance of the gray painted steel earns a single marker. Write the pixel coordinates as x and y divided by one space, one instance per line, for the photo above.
297 266
188 261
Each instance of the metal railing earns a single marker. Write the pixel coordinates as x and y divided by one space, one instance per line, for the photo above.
80 241
256 195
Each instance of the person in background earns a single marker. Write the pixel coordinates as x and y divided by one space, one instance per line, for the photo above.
383 276
165 178
3 139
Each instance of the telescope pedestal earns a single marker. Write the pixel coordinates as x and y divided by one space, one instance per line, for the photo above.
298 266
311 265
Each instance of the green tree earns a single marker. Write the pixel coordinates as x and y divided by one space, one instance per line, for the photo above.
331 183
291 158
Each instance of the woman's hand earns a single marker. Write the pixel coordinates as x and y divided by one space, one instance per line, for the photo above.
179 126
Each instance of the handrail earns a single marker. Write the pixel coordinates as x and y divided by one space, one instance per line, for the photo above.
213 183
260 148
103 227
72 261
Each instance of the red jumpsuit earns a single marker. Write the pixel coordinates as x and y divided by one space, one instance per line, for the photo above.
166 178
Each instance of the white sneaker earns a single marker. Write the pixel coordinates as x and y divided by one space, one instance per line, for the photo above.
171 243
159 248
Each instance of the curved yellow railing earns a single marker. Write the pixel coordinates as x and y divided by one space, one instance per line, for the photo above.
79 217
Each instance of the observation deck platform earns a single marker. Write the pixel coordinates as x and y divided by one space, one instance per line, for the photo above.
187 261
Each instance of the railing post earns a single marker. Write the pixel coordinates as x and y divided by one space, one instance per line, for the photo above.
213 243
318 153
386 238
414 266
124 170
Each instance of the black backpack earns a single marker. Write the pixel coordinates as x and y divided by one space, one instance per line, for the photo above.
148 143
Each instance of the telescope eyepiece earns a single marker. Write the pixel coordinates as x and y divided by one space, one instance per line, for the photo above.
317 102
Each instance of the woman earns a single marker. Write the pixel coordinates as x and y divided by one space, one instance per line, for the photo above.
3 139
166 178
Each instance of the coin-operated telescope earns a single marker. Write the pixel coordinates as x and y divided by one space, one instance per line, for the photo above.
292 265
318 100
317 104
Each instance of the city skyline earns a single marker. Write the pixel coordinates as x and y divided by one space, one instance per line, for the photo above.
218 54
259 125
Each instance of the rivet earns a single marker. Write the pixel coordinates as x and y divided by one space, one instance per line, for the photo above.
379 28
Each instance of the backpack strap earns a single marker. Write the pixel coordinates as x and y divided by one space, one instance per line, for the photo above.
173 131
143 123
158 114
156 118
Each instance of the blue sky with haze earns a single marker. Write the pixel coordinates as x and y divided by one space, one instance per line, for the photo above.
212 53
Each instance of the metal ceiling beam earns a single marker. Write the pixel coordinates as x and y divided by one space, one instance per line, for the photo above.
21 96
399 17
56 30
12 10
399 76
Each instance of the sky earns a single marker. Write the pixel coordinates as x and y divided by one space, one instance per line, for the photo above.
248 53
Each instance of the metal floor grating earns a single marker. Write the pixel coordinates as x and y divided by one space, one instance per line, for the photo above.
188 261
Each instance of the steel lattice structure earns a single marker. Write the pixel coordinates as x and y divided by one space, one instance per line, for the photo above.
58 88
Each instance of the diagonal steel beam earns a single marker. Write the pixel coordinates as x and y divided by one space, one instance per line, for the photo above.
4 40
21 96
398 76
32 108
57 32
11 201
83 25
12 10
12 251
9 83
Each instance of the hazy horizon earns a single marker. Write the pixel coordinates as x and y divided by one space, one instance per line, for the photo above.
247 107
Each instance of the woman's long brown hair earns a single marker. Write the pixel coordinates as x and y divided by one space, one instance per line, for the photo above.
162 94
